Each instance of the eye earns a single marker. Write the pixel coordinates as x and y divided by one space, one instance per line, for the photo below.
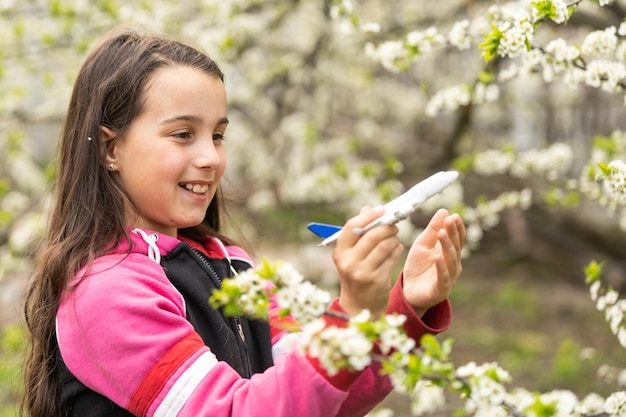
218 137
182 135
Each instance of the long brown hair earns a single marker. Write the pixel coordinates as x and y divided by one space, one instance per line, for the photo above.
88 206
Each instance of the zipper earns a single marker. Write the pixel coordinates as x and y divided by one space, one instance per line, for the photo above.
219 279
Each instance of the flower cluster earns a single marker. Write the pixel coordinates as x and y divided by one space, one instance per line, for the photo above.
615 405
421 374
487 213
454 97
515 36
337 348
483 386
250 293
599 62
607 300
555 10
600 42
449 99
550 163
615 181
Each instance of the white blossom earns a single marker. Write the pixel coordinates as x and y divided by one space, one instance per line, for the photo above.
600 42
305 301
485 93
509 73
594 290
333 345
621 336
459 36
425 41
515 35
426 398
562 54
566 402
615 182
449 99
287 274
614 315
561 11
615 404
492 162
604 74
388 53
370 27
591 404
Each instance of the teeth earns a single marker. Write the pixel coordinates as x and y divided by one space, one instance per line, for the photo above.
196 188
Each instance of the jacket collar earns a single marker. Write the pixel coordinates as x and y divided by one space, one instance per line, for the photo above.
145 241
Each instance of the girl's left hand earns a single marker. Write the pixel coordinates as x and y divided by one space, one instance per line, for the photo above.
433 263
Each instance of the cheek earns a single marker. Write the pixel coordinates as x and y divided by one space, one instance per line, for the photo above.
222 168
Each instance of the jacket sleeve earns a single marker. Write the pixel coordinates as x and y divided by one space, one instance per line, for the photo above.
123 333
371 388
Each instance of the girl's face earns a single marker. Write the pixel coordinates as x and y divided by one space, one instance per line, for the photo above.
173 157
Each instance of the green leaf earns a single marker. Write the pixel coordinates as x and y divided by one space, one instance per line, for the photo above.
431 346
19 28
486 77
606 170
606 144
464 163
544 9
341 168
491 43
446 346
6 217
266 270
541 409
593 271
110 7
5 186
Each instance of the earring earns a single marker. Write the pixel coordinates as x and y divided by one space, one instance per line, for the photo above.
111 166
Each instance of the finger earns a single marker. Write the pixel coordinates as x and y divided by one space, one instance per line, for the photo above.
376 251
460 228
456 230
366 216
428 237
450 255
372 249
386 264
445 279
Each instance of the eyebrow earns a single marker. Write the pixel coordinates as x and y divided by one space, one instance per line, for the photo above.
191 118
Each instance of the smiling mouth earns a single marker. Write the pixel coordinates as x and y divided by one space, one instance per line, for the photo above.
195 188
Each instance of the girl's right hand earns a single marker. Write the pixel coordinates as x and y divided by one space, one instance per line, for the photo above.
365 263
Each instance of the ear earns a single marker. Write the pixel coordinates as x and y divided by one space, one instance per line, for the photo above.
109 147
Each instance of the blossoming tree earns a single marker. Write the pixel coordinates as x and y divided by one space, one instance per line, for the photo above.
353 101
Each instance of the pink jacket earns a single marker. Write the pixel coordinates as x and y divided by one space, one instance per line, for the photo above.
123 332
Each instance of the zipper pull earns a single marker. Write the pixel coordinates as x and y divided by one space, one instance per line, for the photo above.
240 328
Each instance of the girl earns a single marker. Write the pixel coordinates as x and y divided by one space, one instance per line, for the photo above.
118 311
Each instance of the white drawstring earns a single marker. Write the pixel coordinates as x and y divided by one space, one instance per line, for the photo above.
226 256
153 250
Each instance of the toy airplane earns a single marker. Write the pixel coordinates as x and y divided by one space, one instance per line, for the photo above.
396 209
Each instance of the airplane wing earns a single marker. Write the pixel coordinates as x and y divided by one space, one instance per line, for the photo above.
323 230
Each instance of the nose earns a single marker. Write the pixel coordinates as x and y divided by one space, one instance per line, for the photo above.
207 155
